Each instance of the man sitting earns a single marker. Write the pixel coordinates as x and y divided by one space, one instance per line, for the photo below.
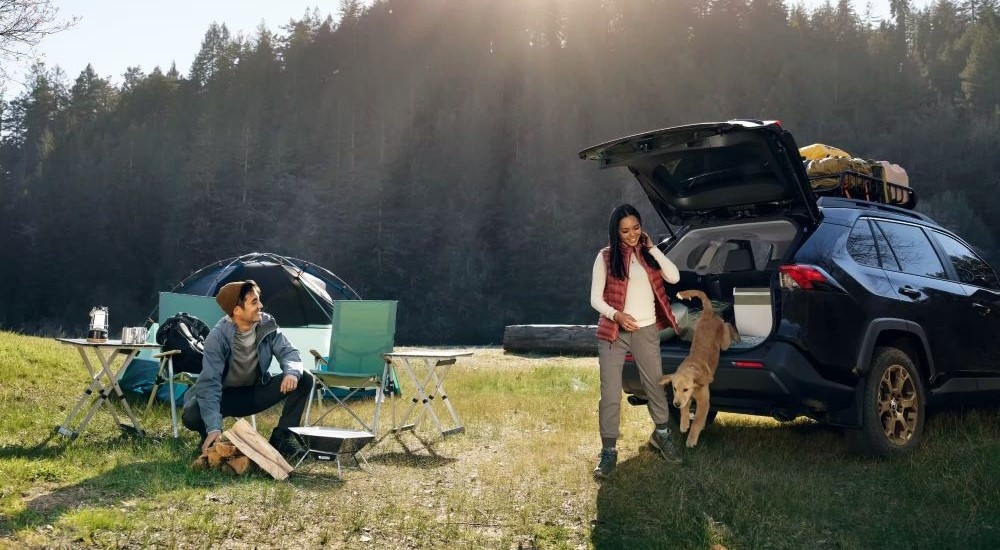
234 380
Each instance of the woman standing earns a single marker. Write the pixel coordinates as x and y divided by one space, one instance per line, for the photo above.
628 291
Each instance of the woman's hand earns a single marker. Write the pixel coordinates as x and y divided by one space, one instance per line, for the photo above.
645 241
626 321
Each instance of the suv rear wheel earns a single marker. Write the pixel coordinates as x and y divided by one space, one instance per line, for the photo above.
892 406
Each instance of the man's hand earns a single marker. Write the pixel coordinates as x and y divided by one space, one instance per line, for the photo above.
210 440
289 384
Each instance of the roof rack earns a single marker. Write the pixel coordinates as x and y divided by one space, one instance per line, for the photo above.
854 185
843 202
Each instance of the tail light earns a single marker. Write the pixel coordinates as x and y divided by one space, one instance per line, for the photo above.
803 276
748 364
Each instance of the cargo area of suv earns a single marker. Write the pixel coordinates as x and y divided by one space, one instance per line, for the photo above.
839 295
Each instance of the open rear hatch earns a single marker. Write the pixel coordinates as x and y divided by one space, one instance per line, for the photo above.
715 172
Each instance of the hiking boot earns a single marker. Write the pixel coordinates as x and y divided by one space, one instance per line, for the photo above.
286 443
662 442
609 458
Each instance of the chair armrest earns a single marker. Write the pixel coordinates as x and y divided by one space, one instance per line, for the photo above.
166 353
317 358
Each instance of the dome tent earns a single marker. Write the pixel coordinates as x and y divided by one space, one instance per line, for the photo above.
296 292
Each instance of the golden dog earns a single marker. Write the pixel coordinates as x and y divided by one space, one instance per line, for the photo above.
696 372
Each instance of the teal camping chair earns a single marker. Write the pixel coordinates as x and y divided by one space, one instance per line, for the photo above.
362 330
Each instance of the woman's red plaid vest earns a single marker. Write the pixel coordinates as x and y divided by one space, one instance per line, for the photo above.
614 295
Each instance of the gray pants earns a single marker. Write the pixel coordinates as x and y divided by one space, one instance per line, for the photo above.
645 347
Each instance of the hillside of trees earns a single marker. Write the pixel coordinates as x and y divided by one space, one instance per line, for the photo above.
425 150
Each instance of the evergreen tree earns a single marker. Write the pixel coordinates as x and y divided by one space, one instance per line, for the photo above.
981 76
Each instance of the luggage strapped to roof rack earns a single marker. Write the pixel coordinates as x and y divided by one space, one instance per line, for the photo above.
854 185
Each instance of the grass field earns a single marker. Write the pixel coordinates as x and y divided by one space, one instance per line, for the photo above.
518 478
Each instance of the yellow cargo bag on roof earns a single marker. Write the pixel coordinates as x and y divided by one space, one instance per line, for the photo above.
824 173
820 150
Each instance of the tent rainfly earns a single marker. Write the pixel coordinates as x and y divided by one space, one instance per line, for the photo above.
296 292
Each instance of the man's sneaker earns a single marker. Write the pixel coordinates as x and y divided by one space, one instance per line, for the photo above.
662 442
609 458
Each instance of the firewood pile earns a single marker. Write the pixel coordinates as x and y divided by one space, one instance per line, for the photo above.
223 456
240 447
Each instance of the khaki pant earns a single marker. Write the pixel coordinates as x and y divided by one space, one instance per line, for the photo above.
645 347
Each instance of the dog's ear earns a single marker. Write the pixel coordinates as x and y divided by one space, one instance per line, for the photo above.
666 379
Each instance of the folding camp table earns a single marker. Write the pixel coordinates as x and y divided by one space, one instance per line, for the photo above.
103 383
426 369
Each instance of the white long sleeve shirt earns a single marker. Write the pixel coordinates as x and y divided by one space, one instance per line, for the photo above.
639 298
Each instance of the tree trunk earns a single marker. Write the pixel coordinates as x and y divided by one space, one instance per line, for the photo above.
561 339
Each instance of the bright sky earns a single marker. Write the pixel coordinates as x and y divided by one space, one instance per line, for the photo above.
113 35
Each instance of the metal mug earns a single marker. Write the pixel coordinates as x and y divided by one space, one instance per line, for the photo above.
134 335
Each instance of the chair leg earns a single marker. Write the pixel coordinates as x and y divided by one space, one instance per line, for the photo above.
157 382
173 397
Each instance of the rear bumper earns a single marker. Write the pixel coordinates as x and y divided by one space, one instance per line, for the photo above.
787 385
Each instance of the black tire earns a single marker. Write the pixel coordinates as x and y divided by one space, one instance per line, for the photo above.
893 406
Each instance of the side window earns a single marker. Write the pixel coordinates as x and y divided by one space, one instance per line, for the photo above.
914 252
884 252
861 244
971 269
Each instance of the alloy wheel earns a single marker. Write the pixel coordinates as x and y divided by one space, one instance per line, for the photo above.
898 404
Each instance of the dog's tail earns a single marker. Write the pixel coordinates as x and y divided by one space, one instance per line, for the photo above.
706 304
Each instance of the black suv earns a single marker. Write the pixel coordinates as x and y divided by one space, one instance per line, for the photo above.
852 312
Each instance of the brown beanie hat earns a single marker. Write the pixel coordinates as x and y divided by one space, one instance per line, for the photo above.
229 296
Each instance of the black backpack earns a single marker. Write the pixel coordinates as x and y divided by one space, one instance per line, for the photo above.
186 333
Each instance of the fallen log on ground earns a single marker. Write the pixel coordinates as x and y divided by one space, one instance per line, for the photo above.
556 339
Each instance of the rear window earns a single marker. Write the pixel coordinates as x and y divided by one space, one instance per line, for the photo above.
861 245
693 167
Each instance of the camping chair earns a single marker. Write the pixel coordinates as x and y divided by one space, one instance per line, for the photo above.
166 359
362 331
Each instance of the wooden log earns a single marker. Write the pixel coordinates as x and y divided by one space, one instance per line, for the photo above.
239 464
250 443
556 339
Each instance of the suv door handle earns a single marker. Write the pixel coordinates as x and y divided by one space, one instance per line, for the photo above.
909 291
983 309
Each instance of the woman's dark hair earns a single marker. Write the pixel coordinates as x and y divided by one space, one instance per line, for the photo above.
617 259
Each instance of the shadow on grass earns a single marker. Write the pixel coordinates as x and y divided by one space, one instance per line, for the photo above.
134 476
410 460
144 480
55 444
649 503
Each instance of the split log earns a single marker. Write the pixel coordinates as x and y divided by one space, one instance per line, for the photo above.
250 443
556 339
239 464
